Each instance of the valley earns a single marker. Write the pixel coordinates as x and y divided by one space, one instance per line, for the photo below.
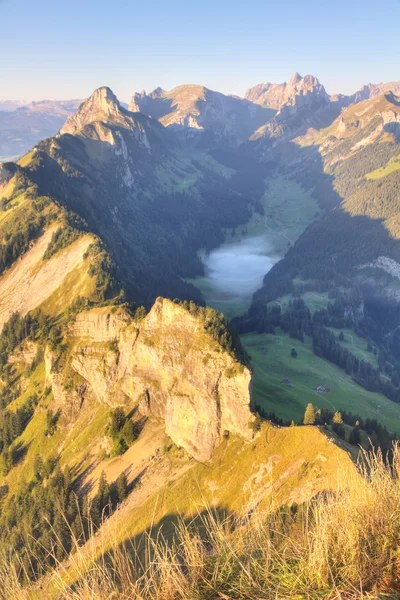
200 335
236 269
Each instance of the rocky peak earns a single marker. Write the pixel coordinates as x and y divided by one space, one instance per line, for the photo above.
102 105
193 112
373 90
295 78
276 95
168 365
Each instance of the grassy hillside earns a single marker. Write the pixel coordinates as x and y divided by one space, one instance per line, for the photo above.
273 364
287 465
339 545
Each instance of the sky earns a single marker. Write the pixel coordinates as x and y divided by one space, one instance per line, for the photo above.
63 50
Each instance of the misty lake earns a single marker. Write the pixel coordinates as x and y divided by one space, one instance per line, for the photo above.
234 271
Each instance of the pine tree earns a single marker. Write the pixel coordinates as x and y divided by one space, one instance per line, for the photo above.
122 487
38 467
355 437
309 415
63 536
103 491
256 423
128 432
337 417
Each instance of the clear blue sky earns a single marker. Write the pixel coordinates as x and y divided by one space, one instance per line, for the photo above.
66 49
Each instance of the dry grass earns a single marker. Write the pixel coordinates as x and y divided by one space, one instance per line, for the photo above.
341 546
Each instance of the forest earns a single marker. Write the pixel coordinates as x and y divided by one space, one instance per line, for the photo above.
298 321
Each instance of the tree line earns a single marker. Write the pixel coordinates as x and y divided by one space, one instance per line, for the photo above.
298 321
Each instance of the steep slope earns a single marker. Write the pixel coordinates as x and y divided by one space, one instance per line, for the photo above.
168 364
276 95
202 116
280 466
304 104
153 204
371 90
44 253
351 253
21 127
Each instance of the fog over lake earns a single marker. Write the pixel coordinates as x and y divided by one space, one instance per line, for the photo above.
235 271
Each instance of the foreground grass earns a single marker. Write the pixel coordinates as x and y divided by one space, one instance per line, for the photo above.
340 545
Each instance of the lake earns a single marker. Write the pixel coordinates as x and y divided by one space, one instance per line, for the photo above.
234 271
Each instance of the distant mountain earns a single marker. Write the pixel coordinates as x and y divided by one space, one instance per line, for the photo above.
203 116
10 105
151 204
303 103
276 95
372 90
22 125
352 250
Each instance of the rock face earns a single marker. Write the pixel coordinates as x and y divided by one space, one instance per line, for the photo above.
276 95
102 105
101 117
200 115
372 90
303 104
168 365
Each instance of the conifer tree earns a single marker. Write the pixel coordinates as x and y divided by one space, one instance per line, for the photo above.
355 437
337 417
128 432
309 415
122 487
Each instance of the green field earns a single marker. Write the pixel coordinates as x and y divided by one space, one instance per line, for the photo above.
356 344
272 364
288 210
313 300
392 166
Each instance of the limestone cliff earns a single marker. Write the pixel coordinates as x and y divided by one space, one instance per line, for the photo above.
196 114
276 95
166 364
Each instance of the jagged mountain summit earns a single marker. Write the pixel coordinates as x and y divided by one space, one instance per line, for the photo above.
103 118
372 90
303 104
276 95
136 188
202 116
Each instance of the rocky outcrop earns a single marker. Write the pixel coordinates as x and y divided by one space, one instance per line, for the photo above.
197 114
101 117
304 104
102 105
276 95
167 365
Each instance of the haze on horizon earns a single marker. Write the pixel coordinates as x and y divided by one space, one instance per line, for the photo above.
64 53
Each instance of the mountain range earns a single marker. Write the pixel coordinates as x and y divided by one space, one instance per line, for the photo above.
125 400
193 111
22 124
